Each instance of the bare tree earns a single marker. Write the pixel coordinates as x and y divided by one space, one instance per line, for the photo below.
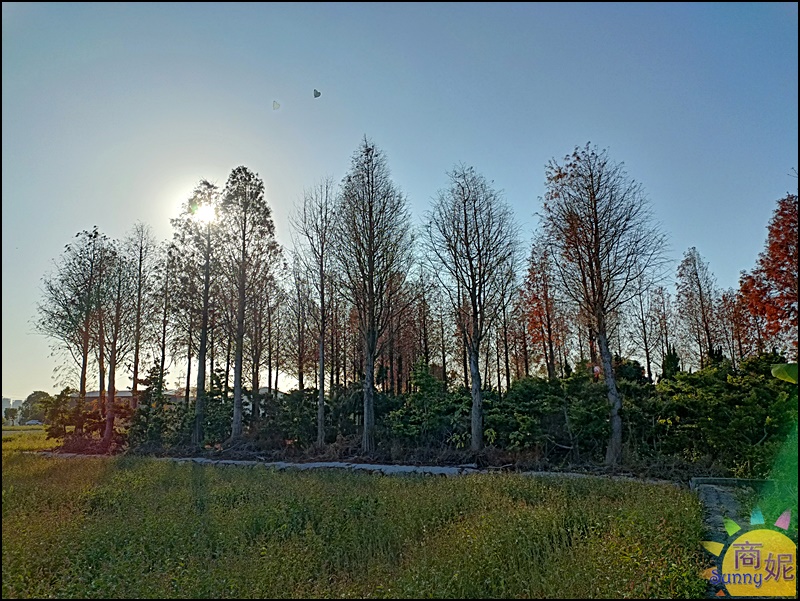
696 298
644 330
374 252
472 243
664 315
601 228
443 329
166 274
140 248
274 308
300 308
313 222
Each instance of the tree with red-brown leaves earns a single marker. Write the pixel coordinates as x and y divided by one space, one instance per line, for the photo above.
538 293
771 289
733 325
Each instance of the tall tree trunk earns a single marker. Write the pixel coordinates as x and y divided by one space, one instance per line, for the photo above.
277 360
321 396
163 342
486 363
108 431
344 360
614 451
101 356
80 405
425 346
399 388
137 330
368 435
505 350
592 347
704 310
228 350
330 353
112 368
335 345
444 357
254 387
476 422
236 425
497 356
269 353
525 355
464 360
212 339
301 350
188 393
200 403
391 358
112 393
548 364
645 341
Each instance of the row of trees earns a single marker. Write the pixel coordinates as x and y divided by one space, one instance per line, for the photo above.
718 420
362 297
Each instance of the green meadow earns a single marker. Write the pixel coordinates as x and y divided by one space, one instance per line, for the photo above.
102 527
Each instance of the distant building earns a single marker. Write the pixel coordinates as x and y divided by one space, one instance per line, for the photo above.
265 390
9 403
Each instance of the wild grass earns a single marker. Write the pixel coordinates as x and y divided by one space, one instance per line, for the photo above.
104 527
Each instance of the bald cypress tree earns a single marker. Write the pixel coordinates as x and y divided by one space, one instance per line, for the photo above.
603 235
374 250
248 234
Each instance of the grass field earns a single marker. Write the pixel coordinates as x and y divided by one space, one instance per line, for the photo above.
104 527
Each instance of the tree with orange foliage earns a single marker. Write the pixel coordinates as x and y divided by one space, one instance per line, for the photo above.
771 290
538 299
733 325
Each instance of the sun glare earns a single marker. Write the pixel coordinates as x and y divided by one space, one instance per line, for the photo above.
204 214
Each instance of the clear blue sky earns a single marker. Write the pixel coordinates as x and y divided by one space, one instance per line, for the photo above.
113 112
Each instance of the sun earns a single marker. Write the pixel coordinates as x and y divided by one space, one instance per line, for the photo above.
204 214
758 562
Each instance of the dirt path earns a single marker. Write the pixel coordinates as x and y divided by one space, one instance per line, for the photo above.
719 502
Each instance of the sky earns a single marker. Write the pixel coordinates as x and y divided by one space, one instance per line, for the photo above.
112 113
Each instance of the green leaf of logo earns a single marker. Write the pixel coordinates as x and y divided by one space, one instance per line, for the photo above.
785 371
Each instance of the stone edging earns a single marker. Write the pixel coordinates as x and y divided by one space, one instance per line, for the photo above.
370 467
